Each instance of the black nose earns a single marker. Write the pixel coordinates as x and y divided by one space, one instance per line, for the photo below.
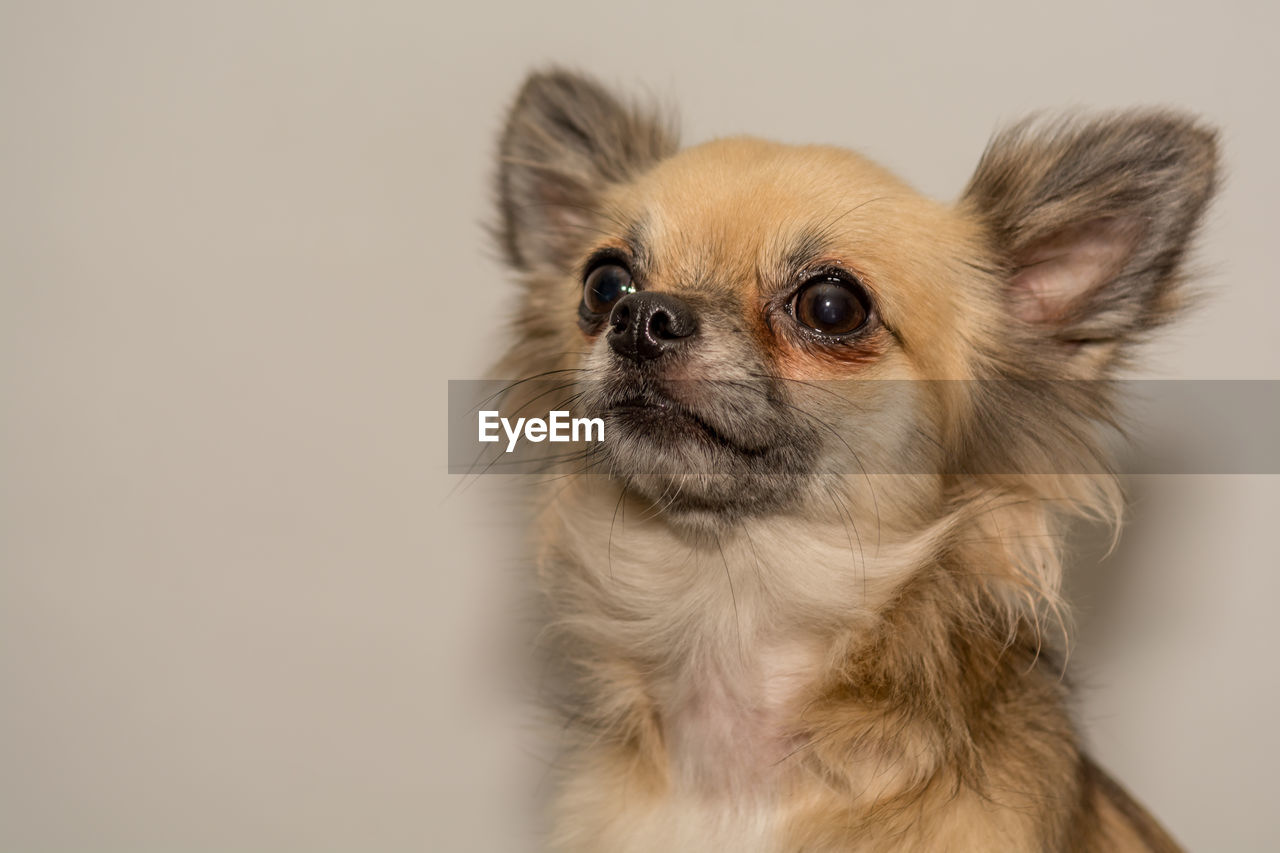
646 325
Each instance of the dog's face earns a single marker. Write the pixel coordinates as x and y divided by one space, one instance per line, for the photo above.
762 325
733 289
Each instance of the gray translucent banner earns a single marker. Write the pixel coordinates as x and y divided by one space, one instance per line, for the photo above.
958 427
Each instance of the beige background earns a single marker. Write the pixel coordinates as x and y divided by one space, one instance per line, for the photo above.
241 252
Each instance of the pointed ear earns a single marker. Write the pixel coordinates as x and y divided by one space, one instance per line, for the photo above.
566 139
1092 219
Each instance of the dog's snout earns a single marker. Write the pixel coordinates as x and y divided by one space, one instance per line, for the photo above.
646 325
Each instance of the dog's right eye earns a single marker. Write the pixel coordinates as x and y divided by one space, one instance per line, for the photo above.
605 285
833 305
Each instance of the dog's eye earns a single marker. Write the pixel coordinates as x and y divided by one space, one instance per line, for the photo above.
605 285
832 305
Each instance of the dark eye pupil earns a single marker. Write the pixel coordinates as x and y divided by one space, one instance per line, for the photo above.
606 285
830 306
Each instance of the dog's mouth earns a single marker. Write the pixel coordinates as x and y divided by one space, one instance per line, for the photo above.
705 451
658 416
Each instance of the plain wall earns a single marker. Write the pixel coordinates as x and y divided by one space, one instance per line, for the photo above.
241 252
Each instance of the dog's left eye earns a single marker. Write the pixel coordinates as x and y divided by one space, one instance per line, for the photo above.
831 305
605 285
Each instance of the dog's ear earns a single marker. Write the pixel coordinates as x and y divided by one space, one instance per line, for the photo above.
1092 219
566 139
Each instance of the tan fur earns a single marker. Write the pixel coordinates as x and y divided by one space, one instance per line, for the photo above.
863 664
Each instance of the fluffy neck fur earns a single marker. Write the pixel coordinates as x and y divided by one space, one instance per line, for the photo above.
889 664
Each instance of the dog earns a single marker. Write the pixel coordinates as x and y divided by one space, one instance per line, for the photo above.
805 587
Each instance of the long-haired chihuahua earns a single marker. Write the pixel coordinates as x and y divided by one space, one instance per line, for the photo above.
806 582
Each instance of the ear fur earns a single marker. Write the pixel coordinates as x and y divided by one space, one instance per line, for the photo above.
565 139
1092 219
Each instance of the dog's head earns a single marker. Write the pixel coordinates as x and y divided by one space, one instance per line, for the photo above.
763 325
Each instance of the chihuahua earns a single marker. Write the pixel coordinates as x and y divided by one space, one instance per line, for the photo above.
806 584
